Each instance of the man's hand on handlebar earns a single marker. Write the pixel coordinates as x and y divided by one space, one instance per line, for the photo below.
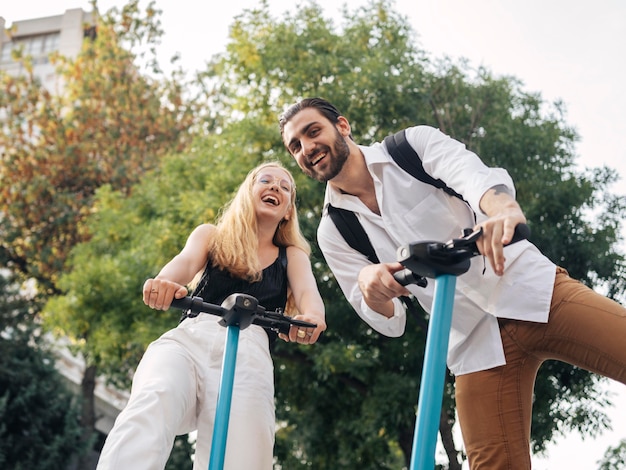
498 231
379 287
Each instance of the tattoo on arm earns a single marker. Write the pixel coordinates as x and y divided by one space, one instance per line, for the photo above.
501 189
498 190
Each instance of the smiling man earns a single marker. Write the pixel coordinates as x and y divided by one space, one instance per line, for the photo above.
508 319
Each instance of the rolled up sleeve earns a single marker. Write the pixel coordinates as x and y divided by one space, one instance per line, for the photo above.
346 263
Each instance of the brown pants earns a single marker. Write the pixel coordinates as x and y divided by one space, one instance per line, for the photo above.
584 329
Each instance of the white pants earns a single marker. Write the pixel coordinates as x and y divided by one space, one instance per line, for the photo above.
175 392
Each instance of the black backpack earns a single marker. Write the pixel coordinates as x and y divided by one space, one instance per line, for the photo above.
347 222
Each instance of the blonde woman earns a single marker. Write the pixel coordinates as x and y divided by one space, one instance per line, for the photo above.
255 248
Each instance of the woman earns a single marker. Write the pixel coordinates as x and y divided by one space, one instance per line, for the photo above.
255 248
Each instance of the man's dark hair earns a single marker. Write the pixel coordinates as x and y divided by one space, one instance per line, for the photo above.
327 109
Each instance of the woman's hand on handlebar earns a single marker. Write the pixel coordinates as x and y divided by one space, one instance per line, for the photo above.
158 293
299 334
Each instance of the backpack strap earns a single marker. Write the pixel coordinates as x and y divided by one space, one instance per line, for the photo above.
407 158
354 234
352 231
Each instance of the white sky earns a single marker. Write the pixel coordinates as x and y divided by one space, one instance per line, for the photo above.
573 50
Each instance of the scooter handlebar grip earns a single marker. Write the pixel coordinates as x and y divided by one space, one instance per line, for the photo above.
522 232
182 304
406 277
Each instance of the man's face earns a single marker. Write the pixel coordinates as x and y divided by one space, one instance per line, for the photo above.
318 146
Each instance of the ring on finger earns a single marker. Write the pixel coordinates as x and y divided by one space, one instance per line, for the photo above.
301 334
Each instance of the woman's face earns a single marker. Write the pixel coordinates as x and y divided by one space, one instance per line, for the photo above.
272 191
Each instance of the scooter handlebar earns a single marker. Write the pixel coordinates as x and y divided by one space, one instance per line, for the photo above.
466 245
406 277
522 232
275 321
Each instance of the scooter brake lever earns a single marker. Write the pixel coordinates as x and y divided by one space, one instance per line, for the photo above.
468 241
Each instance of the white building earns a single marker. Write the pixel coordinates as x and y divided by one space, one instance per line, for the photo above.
39 37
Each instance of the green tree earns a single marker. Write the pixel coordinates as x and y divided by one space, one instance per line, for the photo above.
115 118
133 237
351 400
39 416
375 75
108 125
180 457
614 458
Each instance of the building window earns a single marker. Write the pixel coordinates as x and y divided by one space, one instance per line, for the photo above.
38 47
5 55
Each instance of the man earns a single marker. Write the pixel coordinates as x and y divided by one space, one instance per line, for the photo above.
508 319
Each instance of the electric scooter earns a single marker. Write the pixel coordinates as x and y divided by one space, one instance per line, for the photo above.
442 262
238 311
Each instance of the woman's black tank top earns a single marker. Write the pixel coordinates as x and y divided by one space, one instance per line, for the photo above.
271 291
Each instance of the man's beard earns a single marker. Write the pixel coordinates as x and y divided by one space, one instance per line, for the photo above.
340 152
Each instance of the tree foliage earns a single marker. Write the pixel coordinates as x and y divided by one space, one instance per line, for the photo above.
371 70
351 399
132 238
114 116
108 124
39 416
614 458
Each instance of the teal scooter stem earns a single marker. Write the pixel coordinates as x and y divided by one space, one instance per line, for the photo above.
433 374
442 262
224 399
238 315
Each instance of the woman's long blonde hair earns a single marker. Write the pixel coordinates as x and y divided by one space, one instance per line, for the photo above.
234 246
